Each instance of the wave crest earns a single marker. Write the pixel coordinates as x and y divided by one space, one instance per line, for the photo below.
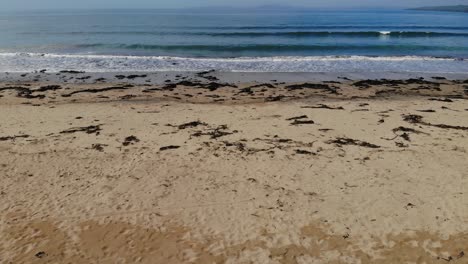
27 62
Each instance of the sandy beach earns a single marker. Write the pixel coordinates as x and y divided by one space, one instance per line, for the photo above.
232 168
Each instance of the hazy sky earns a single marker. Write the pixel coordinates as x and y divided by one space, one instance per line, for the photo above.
60 4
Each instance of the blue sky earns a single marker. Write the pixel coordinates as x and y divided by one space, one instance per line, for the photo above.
65 4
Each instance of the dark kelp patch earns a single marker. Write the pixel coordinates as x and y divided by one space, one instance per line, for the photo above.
323 106
100 90
349 141
88 129
417 119
130 140
168 147
13 137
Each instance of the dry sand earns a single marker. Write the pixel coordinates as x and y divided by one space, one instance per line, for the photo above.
372 172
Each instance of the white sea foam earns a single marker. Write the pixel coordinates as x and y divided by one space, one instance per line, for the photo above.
27 62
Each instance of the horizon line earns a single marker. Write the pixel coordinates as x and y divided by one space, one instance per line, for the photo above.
224 8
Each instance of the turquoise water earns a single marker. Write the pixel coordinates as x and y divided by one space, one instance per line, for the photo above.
222 34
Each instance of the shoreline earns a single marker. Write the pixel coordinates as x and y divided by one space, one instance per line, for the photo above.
220 87
26 62
82 77
213 167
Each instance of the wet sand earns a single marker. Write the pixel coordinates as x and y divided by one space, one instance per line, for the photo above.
202 168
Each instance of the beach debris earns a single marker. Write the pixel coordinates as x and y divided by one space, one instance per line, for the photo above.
406 132
300 121
447 126
205 76
282 143
88 130
124 87
98 147
151 90
324 106
28 94
13 137
401 145
40 254
353 186
405 136
446 100
304 152
274 98
23 92
348 141
130 140
127 96
71 71
168 147
48 88
317 86
427 111
192 124
417 119
212 86
417 81
239 145
407 129
413 119
450 258
297 117
83 78
380 92
204 72
268 85
246 90
133 76
368 83
215 133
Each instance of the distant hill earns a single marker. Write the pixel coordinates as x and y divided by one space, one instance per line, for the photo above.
456 8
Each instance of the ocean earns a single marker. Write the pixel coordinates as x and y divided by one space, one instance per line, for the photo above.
230 40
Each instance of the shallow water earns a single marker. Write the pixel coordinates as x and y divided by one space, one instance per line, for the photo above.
293 41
